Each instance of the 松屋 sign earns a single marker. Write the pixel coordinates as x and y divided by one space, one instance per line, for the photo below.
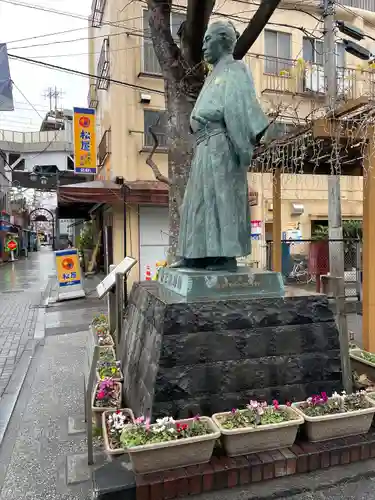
84 141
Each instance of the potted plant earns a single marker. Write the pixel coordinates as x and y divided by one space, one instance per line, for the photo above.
113 423
363 362
339 416
100 319
169 444
258 427
109 368
103 335
107 353
106 396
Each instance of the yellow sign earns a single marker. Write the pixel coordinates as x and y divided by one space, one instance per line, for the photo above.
84 141
68 268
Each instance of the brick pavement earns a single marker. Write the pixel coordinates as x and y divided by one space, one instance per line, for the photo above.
21 287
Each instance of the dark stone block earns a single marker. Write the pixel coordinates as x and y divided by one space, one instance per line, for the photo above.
208 356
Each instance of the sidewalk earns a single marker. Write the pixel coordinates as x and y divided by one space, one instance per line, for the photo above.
39 458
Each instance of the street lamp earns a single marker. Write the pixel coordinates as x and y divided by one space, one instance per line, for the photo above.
43 180
33 177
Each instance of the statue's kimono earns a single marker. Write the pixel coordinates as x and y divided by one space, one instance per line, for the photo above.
226 120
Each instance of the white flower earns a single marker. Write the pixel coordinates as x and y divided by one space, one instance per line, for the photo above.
171 430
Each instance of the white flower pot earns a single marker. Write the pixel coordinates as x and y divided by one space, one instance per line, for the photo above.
98 410
340 425
172 454
247 440
360 365
108 448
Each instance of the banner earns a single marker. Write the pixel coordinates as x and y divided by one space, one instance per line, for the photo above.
84 141
68 268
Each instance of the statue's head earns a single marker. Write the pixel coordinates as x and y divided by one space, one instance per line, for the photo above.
219 40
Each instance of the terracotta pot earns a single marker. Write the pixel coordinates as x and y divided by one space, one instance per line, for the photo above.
339 425
173 454
108 449
246 440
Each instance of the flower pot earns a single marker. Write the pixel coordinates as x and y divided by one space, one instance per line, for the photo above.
172 454
98 410
104 346
246 440
120 378
326 427
109 450
360 365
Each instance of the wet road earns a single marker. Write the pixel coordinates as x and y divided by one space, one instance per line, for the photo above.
22 285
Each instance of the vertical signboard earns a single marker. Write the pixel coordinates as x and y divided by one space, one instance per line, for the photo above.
84 141
69 274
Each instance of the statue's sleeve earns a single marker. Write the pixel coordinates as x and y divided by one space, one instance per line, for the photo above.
243 115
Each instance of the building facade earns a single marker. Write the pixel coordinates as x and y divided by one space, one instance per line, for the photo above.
287 66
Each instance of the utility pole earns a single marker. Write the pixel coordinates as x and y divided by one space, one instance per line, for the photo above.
336 247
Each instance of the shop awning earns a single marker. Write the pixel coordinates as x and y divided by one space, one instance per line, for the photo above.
108 192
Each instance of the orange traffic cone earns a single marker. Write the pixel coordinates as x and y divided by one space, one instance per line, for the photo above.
148 273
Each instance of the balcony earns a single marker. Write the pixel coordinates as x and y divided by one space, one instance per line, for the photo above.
97 9
282 76
104 149
92 97
102 82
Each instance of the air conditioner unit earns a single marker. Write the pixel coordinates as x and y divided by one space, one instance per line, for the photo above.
297 209
314 79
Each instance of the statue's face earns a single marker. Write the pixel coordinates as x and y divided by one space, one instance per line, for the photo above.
213 47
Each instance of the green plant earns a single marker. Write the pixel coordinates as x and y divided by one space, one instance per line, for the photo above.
100 319
108 369
86 239
107 355
368 356
320 405
165 429
256 413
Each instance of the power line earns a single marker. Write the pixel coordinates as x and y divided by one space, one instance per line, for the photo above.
46 35
83 74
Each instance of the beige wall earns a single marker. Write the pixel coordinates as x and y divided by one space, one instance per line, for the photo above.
120 108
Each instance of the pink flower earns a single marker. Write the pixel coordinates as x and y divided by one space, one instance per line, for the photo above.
101 395
197 417
234 410
288 403
275 404
324 397
139 420
147 423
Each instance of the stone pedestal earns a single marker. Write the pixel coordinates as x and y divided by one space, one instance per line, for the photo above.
211 355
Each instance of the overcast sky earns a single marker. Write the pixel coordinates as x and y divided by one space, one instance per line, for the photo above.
19 22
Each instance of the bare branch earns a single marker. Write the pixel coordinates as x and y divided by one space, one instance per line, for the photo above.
150 162
156 171
255 27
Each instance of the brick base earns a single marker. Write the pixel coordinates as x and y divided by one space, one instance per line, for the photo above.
223 472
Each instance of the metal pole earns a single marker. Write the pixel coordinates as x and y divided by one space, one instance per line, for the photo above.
336 247
119 307
112 306
125 246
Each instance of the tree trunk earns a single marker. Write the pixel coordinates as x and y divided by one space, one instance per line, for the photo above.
180 100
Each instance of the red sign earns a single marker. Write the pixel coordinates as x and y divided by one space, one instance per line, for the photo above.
11 245
84 122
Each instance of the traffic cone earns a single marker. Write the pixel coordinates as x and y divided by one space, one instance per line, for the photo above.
148 273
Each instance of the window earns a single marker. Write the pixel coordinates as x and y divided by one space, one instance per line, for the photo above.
150 61
278 51
158 121
313 51
102 71
97 9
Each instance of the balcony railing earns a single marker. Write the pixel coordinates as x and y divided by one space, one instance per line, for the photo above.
283 76
97 10
92 97
102 82
104 149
